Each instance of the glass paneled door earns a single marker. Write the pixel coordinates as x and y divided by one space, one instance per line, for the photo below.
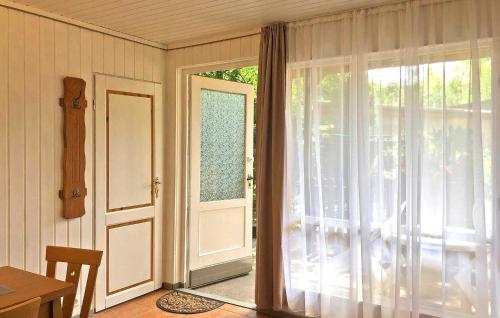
221 180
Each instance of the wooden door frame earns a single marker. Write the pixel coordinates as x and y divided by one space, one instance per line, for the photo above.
182 176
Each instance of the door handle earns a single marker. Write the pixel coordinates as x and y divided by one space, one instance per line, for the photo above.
249 180
156 186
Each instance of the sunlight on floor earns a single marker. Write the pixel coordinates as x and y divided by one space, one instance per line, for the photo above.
241 288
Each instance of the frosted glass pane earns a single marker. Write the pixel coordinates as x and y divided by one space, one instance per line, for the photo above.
222 170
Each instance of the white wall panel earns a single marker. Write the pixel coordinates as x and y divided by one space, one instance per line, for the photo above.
36 53
61 70
119 57
4 142
109 54
32 147
139 61
148 63
129 59
47 140
74 69
17 138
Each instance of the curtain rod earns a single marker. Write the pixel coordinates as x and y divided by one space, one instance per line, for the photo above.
390 6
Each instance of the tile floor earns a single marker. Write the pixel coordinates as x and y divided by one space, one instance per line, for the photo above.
145 307
240 288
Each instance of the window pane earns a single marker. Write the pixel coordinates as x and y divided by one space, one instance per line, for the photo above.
450 152
222 167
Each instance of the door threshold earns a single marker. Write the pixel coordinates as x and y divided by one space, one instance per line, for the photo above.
220 272
220 298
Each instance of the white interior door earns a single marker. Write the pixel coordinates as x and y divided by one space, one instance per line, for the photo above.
221 185
128 225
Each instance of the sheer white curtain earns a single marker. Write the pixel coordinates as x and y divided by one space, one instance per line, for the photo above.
392 162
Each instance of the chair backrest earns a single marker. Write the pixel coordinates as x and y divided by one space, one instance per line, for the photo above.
28 309
75 258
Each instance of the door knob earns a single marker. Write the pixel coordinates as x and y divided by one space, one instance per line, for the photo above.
156 186
249 180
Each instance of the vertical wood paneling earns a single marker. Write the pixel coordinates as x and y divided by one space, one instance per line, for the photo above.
225 50
86 73
109 55
245 46
255 45
148 63
170 273
200 52
17 139
61 69
32 147
87 225
119 57
74 61
36 53
216 52
129 59
4 154
74 55
47 137
97 51
188 54
138 61
159 65
235 48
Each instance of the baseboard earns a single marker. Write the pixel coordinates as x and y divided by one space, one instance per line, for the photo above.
170 286
220 272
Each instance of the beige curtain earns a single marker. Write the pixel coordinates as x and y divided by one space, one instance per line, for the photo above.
270 159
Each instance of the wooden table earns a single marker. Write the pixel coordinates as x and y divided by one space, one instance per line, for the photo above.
26 285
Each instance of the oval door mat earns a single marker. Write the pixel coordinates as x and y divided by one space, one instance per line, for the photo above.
180 302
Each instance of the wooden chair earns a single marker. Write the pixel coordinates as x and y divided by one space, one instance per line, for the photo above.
28 309
75 258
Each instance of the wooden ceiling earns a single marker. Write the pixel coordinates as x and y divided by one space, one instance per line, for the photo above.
168 21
